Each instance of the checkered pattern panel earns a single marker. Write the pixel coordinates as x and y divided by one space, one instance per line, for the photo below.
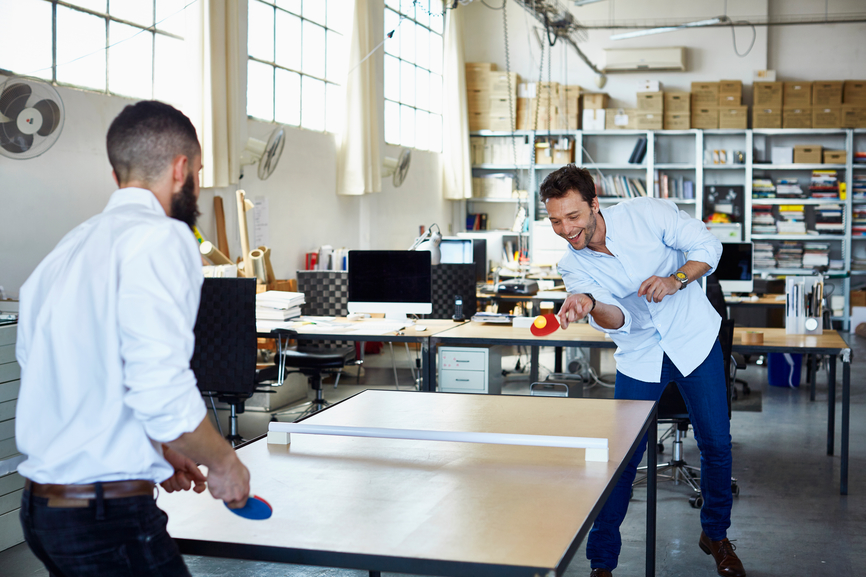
224 358
450 280
327 295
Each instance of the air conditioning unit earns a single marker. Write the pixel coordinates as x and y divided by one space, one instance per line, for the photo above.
641 59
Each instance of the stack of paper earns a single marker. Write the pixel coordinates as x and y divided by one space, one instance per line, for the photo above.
278 305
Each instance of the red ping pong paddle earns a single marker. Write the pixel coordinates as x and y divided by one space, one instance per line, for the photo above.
256 509
544 325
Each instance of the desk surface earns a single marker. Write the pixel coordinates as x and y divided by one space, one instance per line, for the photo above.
490 333
367 329
423 506
775 340
539 296
764 301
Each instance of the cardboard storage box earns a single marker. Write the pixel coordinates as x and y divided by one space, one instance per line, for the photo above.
596 101
797 117
807 154
736 117
651 102
592 119
857 298
853 116
620 119
544 90
477 100
767 95
827 93
677 121
835 156
705 94
478 74
705 117
854 92
797 95
649 120
766 117
479 121
730 100
678 102
499 84
827 116
503 106
732 87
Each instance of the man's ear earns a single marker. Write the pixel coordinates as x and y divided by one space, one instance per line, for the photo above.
178 172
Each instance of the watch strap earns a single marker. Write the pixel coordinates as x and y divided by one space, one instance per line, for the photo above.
592 298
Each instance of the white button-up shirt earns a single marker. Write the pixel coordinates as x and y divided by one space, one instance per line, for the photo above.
105 337
647 237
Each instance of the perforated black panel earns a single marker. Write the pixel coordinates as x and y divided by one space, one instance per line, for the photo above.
450 280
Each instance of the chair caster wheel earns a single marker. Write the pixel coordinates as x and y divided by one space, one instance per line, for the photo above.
660 447
696 502
735 489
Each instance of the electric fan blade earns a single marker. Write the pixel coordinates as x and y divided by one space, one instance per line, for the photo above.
14 100
14 140
50 116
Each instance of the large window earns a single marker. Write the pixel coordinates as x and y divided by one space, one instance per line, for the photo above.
297 61
413 74
125 47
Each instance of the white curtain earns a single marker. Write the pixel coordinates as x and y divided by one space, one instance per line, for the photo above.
456 169
217 104
359 164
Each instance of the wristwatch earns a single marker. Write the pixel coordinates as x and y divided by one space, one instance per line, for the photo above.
592 298
682 277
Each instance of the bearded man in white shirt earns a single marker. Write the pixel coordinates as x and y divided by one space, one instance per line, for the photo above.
108 404
626 270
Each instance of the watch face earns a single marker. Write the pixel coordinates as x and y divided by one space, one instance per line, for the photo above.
681 276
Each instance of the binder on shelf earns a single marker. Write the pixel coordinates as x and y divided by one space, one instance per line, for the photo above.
638 152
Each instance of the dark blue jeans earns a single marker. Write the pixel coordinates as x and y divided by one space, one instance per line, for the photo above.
124 536
705 395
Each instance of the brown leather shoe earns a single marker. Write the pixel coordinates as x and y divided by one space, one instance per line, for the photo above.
600 573
727 562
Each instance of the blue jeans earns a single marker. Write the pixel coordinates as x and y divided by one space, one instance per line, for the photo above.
123 536
705 395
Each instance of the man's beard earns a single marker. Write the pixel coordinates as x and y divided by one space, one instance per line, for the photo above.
184 206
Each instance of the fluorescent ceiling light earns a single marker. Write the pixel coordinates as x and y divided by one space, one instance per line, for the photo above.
585 2
649 31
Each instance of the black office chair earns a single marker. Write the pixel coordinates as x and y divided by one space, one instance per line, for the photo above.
672 410
224 358
717 299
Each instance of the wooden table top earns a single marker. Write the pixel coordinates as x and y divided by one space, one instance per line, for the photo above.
575 333
766 300
775 339
365 329
389 504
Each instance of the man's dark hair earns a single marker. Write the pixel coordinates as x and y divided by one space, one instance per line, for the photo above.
569 177
146 137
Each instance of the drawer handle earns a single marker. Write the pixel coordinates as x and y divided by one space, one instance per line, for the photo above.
462 380
459 361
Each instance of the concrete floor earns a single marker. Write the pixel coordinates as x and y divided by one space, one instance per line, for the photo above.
789 518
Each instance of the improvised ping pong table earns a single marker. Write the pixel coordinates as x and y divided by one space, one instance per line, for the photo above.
426 507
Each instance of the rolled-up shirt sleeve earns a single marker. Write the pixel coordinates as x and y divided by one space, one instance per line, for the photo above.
578 283
682 232
158 298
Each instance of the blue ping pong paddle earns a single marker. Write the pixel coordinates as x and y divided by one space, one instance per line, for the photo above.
256 509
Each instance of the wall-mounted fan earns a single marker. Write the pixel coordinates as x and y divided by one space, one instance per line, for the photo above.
397 167
31 117
267 154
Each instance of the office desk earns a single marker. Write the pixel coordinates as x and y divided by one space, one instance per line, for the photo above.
831 344
365 330
425 507
557 297
583 335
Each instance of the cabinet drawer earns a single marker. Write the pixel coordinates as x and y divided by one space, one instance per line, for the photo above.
467 359
462 381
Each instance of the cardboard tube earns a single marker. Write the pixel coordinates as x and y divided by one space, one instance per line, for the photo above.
257 257
268 268
213 253
220 216
243 206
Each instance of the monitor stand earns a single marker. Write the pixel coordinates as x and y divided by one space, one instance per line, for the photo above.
397 317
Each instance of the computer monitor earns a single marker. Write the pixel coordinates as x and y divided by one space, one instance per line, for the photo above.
735 267
394 282
458 250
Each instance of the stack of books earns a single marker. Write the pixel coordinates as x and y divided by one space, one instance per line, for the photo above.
860 158
816 254
791 219
619 185
763 188
789 254
858 222
858 263
828 219
789 188
763 255
858 187
824 184
763 221
278 305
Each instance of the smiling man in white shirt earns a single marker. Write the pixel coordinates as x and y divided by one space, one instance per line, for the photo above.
108 404
626 269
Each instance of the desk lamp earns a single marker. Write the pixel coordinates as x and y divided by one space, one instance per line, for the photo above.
429 241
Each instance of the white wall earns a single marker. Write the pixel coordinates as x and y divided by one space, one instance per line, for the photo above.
813 52
42 199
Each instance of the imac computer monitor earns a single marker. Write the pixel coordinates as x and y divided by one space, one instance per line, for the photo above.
735 267
457 250
394 282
